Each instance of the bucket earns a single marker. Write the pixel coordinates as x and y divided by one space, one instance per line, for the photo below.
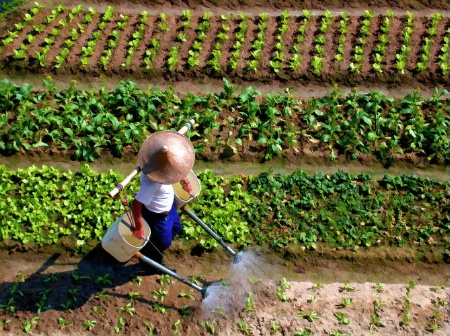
119 240
181 196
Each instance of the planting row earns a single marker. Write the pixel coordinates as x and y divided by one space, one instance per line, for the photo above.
84 303
45 206
243 124
333 46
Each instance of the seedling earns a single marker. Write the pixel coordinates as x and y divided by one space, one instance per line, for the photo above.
378 304
337 333
376 322
95 311
133 295
185 311
165 278
128 308
102 295
254 281
187 295
250 303
440 302
411 285
379 287
135 279
20 277
159 294
63 323
73 293
176 326
276 327
3 323
219 310
433 327
437 288
312 299
89 324
284 283
406 319
67 305
311 316
9 306
303 332
347 288
28 324
159 308
78 277
244 328
150 327
104 279
120 324
342 318
280 294
317 286
209 326
346 302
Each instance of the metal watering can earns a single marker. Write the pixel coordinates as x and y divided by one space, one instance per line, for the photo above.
119 242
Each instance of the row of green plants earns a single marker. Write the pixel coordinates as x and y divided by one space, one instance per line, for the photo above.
234 58
85 122
42 205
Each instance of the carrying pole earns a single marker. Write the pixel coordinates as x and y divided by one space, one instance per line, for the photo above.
137 170
168 271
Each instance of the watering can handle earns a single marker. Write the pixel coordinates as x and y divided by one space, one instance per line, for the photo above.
137 170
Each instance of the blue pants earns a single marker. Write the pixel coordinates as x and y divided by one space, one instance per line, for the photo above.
163 228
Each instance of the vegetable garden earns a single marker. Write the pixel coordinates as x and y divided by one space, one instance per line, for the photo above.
312 46
395 226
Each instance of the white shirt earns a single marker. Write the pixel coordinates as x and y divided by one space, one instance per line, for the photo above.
156 197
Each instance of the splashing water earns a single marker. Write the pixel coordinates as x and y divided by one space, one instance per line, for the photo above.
231 295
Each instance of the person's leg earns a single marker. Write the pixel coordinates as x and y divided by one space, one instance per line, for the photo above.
153 249
164 229
176 222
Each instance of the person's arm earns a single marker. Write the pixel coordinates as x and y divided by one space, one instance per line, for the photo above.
138 229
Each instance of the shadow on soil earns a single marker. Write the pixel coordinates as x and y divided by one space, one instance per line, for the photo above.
61 291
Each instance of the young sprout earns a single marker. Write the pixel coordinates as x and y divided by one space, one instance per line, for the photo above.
347 287
346 302
209 326
185 311
89 324
150 327
311 316
342 318
135 279
128 308
378 287
63 323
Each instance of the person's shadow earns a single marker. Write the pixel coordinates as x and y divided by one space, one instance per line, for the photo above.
96 272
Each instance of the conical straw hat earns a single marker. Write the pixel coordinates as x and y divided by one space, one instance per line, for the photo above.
166 157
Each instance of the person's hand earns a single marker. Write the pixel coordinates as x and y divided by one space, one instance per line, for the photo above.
138 232
186 185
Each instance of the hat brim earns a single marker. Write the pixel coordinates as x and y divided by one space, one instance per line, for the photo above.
166 157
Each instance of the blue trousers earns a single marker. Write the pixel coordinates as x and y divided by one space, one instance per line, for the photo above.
164 228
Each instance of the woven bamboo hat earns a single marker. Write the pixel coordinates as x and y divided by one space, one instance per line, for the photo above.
166 157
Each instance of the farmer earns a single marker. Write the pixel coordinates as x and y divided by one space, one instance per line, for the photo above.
165 158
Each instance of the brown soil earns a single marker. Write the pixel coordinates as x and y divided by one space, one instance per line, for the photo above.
226 304
228 310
